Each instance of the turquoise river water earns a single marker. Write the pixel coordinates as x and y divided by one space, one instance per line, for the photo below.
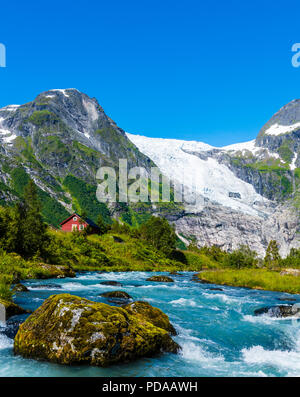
217 330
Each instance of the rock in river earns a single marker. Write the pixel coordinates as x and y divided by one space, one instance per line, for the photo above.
279 311
67 329
114 283
20 288
162 279
11 309
117 297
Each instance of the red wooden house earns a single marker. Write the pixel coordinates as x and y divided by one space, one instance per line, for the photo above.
76 222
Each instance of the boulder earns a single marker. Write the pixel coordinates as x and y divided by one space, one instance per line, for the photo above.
116 294
113 283
152 314
162 279
20 288
11 309
117 297
216 289
279 311
55 271
67 329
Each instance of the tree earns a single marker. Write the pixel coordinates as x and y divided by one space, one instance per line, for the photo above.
33 227
272 258
242 257
103 228
158 232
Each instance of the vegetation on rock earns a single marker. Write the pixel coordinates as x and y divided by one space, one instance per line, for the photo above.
70 330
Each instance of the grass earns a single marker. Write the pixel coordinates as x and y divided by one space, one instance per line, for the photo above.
103 253
253 278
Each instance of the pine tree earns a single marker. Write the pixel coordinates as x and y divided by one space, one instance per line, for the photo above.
272 257
103 228
33 227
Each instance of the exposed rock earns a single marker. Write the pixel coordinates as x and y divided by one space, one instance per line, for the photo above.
279 311
20 288
116 294
162 279
152 314
56 271
216 289
12 309
114 283
236 229
70 330
290 272
117 297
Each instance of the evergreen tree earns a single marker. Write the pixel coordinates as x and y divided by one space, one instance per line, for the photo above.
272 258
159 233
103 228
33 227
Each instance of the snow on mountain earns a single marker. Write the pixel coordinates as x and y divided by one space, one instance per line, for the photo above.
277 129
209 178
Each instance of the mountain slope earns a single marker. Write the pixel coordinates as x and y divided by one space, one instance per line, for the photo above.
60 140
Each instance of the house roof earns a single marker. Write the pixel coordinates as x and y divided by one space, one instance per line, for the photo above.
86 220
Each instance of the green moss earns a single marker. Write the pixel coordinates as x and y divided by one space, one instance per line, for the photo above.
41 117
285 152
70 330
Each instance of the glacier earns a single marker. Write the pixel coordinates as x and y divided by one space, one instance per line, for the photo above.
181 162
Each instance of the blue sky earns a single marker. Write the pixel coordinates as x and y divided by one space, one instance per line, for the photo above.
213 71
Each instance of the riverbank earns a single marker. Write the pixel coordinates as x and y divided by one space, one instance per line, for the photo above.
253 278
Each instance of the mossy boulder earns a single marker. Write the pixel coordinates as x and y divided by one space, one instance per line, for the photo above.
11 309
116 294
162 279
117 297
152 314
20 288
67 329
55 271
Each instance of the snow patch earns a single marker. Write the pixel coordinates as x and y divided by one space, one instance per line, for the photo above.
293 163
277 129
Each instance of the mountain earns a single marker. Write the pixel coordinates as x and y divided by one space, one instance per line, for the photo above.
246 193
60 140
